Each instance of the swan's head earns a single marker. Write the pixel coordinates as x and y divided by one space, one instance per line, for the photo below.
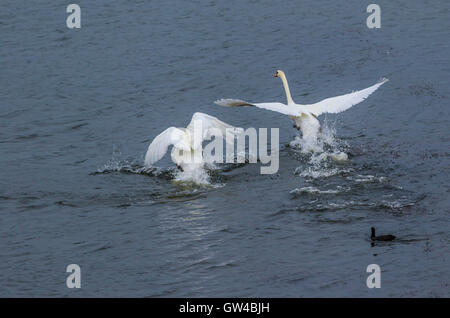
278 73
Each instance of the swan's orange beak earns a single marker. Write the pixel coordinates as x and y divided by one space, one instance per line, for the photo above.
275 75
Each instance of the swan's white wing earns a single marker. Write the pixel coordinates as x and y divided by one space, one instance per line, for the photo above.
340 103
209 123
161 143
291 110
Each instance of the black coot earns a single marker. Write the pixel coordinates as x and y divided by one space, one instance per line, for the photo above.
381 237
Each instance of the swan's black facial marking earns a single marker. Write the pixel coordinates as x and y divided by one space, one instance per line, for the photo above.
275 75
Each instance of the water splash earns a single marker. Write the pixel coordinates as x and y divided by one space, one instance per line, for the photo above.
193 173
360 178
314 190
192 176
319 171
117 164
326 145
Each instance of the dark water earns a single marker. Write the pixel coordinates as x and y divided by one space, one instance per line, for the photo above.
78 109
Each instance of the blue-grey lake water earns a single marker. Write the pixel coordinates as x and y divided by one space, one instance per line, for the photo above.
79 107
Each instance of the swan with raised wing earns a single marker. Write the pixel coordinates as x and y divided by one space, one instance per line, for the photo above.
305 116
187 142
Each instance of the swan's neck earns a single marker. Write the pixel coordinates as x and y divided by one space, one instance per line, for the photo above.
286 88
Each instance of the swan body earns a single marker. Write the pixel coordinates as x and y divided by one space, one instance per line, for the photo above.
187 142
305 116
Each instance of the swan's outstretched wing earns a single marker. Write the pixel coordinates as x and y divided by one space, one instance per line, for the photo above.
209 123
161 143
291 110
340 103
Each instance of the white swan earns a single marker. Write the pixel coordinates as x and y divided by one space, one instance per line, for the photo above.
187 142
305 116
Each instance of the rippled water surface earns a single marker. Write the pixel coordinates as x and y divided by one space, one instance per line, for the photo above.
78 109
